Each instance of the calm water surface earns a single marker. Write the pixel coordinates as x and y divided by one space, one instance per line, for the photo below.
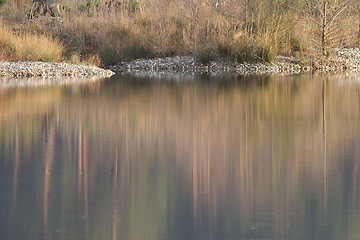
195 158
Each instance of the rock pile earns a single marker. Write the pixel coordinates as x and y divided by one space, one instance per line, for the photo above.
349 54
47 69
348 58
189 64
341 60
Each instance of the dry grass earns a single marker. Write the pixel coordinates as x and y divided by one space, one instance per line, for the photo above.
178 30
28 46
91 31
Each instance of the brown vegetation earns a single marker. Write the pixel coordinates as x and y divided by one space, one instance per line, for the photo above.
116 30
28 46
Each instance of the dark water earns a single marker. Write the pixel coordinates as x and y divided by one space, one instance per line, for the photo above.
197 158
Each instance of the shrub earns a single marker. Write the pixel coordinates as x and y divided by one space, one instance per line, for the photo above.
28 46
266 53
134 6
206 55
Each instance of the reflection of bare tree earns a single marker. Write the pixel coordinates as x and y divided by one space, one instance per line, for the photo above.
115 194
273 133
82 176
15 177
325 171
235 153
16 164
195 182
49 138
80 166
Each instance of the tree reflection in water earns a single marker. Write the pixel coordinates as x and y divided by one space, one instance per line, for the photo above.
236 158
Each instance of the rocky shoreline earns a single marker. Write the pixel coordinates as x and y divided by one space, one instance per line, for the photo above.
341 60
49 70
188 64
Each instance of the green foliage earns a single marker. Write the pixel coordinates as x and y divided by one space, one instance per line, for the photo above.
252 51
266 53
205 56
242 52
2 2
110 56
82 8
134 6
295 44
301 60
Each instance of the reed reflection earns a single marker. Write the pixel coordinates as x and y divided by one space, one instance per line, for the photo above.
239 159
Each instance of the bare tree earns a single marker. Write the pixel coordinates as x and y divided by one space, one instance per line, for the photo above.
327 16
357 12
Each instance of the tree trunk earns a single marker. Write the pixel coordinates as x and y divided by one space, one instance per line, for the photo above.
324 30
246 20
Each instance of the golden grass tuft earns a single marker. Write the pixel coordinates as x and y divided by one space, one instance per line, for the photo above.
29 47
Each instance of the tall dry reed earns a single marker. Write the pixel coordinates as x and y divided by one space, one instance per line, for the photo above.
27 46
112 31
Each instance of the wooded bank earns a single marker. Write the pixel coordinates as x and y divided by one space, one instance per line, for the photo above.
107 32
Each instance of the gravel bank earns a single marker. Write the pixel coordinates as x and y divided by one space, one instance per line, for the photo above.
49 70
340 61
188 64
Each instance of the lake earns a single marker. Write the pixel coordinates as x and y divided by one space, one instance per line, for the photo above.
195 157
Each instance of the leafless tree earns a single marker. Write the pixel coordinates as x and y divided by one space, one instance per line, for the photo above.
327 16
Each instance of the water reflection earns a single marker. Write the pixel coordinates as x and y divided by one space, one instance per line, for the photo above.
216 158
